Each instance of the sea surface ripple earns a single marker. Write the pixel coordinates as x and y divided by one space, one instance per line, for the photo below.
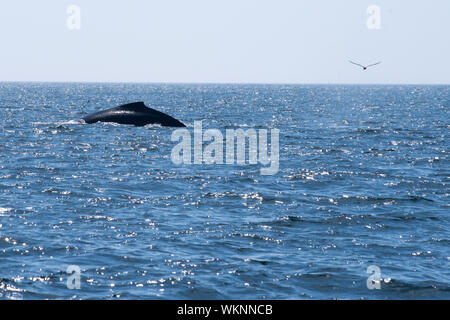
363 180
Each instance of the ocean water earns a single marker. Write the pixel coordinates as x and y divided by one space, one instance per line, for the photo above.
363 181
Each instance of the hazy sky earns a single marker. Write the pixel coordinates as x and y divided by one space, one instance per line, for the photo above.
235 41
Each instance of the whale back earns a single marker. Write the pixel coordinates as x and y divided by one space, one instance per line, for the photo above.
136 113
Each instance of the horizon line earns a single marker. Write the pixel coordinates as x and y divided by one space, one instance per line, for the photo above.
223 83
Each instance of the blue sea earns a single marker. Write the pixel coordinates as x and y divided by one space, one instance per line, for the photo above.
363 185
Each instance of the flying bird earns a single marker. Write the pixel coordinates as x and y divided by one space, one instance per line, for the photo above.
364 67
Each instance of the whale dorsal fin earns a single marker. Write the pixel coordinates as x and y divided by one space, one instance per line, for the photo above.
135 106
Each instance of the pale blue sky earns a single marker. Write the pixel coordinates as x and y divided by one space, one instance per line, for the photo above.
232 41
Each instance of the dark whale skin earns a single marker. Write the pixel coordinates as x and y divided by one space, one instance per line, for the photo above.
137 114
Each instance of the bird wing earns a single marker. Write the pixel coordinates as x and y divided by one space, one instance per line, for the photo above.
356 64
373 64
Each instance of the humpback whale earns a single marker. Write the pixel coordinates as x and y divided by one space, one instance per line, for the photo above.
136 113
